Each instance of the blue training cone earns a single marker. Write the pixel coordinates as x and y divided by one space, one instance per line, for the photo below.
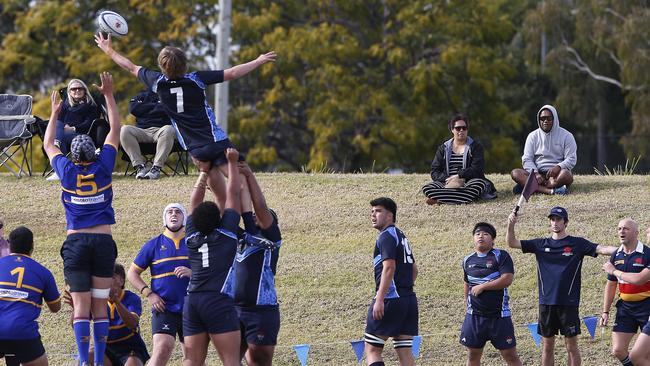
417 341
532 328
302 351
590 323
357 347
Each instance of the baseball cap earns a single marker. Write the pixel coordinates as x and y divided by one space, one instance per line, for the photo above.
558 211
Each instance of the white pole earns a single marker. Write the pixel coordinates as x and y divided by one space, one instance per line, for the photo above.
223 53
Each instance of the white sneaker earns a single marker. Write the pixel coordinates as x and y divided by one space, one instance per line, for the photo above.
53 177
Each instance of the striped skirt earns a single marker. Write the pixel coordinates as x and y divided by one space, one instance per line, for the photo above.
472 191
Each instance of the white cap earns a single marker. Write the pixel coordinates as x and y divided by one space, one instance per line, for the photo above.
174 205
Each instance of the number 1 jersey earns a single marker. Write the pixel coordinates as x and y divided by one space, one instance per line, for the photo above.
392 244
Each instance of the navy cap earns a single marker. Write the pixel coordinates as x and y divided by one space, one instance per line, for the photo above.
559 212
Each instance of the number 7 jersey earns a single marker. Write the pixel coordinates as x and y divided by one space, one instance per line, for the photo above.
392 244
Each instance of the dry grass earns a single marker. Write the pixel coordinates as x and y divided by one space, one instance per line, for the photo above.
325 277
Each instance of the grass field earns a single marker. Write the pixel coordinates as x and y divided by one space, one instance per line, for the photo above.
325 278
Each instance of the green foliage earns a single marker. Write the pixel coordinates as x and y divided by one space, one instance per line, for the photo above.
629 168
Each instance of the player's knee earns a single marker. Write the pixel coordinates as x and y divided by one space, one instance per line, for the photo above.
619 352
474 354
126 131
378 363
163 348
375 342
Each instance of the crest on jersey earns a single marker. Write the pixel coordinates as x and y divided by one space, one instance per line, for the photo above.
567 251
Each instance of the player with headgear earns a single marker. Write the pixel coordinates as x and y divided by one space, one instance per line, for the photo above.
209 312
89 251
184 98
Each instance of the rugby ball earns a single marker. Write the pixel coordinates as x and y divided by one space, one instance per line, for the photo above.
112 23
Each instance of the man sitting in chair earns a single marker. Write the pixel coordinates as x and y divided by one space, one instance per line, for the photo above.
152 125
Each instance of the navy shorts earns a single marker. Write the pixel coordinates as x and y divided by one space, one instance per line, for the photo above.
628 320
85 255
210 312
21 350
554 318
214 152
477 330
167 323
120 352
260 325
400 318
646 329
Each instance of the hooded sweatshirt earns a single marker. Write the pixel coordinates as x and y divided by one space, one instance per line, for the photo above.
545 150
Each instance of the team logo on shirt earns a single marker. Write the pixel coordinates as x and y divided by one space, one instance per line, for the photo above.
567 251
489 264
638 263
19 259
509 340
620 261
165 327
163 247
260 336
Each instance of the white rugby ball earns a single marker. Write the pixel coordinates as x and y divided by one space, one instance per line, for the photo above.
113 23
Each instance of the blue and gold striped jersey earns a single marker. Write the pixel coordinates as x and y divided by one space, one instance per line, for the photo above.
118 331
162 255
87 189
24 284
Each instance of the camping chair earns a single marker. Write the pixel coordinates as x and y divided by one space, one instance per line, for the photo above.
16 134
176 164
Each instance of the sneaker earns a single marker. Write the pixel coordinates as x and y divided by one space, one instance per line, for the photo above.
53 177
517 189
154 173
140 172
561 190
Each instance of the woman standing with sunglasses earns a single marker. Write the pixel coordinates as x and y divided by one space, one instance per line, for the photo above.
458 168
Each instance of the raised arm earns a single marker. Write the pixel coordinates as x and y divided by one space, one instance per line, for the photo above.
113 137
50 132
238 71
605 249
257 196
106 45
511 239
233 190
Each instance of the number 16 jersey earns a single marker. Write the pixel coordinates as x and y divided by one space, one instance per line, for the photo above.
392 244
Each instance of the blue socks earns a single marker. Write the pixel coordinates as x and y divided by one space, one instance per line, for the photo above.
627 361
100 336
81 328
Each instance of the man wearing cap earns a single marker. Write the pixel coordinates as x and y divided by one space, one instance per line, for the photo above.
166 257
394 310
559 265
488 272
629 267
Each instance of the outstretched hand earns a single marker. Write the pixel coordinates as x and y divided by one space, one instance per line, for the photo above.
107 83
56 102
104 43
266 57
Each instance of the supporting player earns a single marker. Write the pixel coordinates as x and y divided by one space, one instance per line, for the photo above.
393 312
24 284
183 96
488 272
166 257
89 251
629 267
208 313
252 279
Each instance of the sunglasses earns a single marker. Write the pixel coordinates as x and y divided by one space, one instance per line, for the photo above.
546 118
460 128
77 89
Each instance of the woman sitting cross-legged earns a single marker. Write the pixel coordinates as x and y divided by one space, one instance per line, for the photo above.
458 168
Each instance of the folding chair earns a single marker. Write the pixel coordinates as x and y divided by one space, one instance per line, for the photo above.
16 134
176 164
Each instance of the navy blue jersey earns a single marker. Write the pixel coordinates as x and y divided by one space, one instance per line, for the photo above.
481 268
211 256
148 110
392 244
559 267
635 298
162 255
24 284
252 279
87 189
186 105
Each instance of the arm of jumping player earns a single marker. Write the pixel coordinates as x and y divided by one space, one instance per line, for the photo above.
106 45
238 71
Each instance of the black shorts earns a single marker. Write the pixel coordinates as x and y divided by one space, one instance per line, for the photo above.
554 318
21 350
629 321
400 318
214 152
260 325
209 312
167 323
477 330
120 352
85 255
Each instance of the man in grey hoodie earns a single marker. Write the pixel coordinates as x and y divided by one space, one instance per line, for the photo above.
550 151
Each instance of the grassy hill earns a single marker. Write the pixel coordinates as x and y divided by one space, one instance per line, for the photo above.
325 279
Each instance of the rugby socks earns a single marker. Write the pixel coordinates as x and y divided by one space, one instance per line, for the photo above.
100 336
374 340
627 361
81 327
378 363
